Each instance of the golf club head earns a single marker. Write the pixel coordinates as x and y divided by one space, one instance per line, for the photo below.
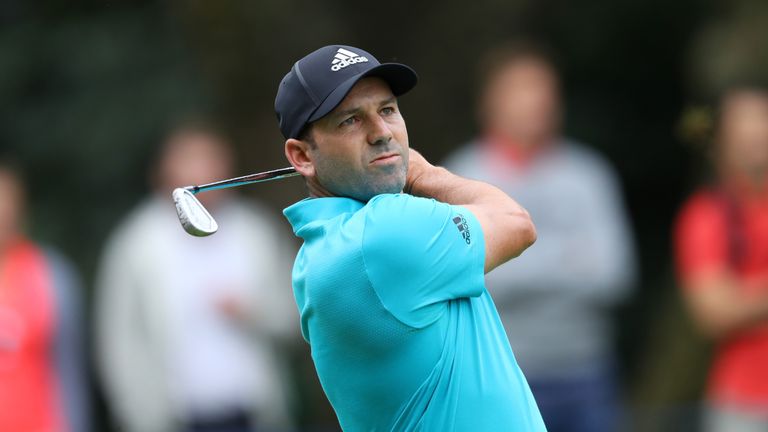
193 216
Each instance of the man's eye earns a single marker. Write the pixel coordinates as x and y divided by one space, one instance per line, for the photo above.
388 110
348 122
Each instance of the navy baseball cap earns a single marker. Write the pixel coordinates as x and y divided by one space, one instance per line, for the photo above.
318 82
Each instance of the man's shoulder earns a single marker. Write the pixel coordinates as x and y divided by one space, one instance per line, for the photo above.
584 156
704 206
586 166
396 210
138 221
397 202
403 222
419 253
465 158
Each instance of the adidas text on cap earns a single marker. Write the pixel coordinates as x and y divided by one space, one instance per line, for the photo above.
317 83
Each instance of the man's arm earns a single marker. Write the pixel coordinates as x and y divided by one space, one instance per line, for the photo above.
718 306
720 302
507 226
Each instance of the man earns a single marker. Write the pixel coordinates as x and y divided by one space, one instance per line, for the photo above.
721 248
189 329
556 301
42 359
389 281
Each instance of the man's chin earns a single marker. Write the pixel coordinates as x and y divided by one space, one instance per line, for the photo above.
392 187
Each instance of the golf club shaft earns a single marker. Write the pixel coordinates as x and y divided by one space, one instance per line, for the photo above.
244 180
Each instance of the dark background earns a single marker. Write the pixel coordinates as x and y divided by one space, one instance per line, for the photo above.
88 87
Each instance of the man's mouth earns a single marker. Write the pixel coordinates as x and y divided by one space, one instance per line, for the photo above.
385 158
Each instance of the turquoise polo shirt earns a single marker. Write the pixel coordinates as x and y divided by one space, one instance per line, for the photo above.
403 332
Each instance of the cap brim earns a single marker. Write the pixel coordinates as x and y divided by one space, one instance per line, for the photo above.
400 78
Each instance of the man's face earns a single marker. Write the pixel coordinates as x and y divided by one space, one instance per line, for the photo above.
361 148
193 157
744 132
522 102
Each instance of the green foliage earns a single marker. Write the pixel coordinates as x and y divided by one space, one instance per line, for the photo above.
83 103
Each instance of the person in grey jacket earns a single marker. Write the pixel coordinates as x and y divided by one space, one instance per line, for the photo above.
555 301
191 332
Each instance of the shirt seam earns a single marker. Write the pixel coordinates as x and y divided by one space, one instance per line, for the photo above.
371 284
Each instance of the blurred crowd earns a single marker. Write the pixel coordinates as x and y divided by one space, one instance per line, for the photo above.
198 334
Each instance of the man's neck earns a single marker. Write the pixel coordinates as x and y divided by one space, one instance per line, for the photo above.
748 183
515 149
758 181
315 189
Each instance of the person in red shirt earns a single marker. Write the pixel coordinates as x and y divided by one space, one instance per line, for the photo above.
42 386
721 248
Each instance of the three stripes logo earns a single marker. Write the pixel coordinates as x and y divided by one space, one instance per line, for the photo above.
344 58
463 227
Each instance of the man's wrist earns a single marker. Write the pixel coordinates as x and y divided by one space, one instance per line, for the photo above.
426 180
414 175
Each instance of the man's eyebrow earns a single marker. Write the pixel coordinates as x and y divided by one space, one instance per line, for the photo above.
353 110
346 112
388 101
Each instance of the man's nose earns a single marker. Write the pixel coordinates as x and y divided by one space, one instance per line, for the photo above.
379 132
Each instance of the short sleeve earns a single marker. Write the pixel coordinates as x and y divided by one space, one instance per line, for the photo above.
420 253
701 238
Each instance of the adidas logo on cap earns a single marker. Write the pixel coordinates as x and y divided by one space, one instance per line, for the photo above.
344 58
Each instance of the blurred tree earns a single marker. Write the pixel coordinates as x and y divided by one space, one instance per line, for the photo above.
732 47
84 100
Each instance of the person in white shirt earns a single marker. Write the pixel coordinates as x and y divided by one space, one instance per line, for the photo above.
189 329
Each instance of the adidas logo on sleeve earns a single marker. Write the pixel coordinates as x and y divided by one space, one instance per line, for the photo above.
463 227
344 58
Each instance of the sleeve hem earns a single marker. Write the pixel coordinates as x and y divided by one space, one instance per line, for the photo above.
479 253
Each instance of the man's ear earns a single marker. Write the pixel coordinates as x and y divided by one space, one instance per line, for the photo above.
297 152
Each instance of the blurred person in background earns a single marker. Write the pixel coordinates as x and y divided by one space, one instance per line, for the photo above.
42 363
555 300
190 329
721 245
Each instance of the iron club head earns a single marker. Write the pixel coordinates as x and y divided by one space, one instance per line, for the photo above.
193 216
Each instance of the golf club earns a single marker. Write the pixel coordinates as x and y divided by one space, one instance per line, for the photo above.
195 218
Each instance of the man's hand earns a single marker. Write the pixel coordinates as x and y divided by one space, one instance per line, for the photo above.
233 307
417 166
720 307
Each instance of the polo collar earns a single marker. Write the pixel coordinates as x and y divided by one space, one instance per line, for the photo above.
310 210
